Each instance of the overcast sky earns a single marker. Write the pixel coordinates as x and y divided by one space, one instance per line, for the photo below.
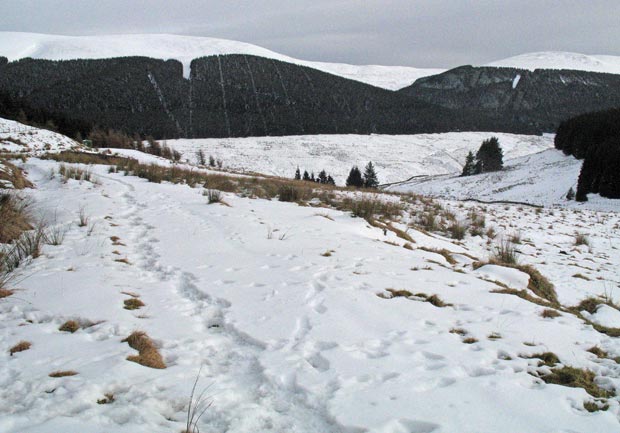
423 33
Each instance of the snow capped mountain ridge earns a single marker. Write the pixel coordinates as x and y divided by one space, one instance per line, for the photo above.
561 60
15 45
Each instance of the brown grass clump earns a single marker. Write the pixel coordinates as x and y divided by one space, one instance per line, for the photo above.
5 293
148 355
15 217
123 260
432 299
548 313
443 252
546 358
14 175
133 304
494 336
581 239
63 373
600 353
69 326
107 399
458 331
470 340
20 347
595 406
577 378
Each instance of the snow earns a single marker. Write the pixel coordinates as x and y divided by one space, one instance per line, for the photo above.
396 157
515 82
285 338
16 45
561 60
541 178
16 137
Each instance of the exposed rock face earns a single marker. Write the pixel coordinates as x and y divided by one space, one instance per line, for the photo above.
519 100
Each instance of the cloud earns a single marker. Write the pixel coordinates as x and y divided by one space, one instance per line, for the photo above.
424 33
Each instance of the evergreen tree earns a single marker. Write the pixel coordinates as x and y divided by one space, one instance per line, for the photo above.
330 180
570 195
297 174
306 175
211 161
312 178
200 156
489 156
370 176
470 165
355 178
322 177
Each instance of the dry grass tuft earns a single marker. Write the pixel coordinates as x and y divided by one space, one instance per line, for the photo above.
581 239
107 399
458 331
15 217
69 326
548 313
470 340
600 353
63 373
546 358
443 252
577 378
494 336
5 293
148 355
133 304
20 347
123 260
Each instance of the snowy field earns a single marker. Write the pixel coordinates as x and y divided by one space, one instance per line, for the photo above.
397 157
286 312
562 60
288 337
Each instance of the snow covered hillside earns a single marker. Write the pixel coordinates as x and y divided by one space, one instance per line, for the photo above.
14 45
542 178
397 157
302 318
562 60
16 137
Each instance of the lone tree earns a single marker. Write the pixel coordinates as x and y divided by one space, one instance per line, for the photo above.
470 165
489 156
355 178
370 176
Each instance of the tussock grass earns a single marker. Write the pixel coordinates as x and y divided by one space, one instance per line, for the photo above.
63 373
600 353
20 347
123 260
107 399
368 208
546 358
595 406
13 174
5 293
581 276
581 239
577 378
470 340
548 313
458 331
431 299
590 304
15 216
133 304
148 355
72 172
494 336
69 326
213 195
505 253
457 230
443 252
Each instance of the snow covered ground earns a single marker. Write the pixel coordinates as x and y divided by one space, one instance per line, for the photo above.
542 178
397 157
15 45
562 60
16 137
290 338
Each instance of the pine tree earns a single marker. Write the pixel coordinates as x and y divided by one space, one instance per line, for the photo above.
470 165
489 156
370 176
355 178
570 195
330 180
312 178
306 175
297 174
322 177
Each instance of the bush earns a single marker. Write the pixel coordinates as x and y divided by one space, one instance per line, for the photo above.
288 193
457 230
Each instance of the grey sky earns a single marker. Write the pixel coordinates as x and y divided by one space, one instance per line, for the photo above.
423 33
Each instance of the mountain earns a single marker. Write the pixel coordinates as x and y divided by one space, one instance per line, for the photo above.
518 99
175 86
16 45
561 60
